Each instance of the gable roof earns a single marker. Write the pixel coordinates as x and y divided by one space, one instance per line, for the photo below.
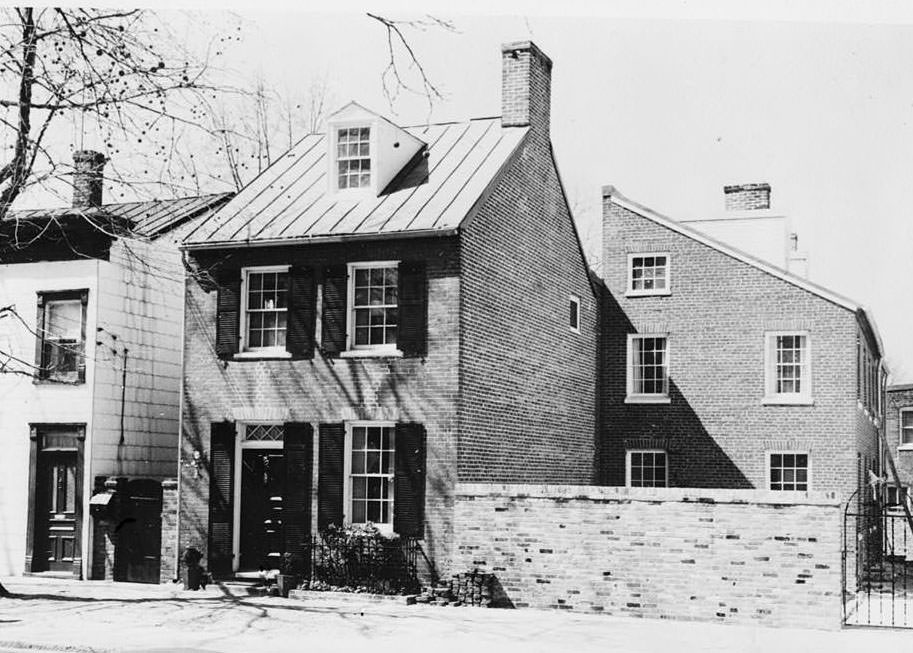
149 219
290 202
820 291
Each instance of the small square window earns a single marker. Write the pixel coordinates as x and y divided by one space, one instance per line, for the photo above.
648 274
788 368
789 472
575 313
647 468
648 369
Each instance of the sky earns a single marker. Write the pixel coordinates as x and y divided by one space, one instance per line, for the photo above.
668 103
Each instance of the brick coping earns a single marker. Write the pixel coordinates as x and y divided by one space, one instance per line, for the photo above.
626 494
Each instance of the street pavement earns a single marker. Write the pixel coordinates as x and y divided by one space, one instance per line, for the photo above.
97 617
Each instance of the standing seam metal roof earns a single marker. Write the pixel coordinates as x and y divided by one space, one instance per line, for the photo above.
291 199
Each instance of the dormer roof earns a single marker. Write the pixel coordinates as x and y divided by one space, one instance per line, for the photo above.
430 194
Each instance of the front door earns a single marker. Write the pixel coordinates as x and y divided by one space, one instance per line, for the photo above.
262 484
56 512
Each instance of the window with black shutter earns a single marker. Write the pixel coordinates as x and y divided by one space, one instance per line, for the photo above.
298 448
221 488
302 312
335 282
413 309
409 480
330 475
61 336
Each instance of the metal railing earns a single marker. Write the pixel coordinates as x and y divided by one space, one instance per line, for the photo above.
377 565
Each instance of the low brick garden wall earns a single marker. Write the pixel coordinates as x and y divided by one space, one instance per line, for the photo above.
740 556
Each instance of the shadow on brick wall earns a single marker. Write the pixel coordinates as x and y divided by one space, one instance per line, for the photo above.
695 458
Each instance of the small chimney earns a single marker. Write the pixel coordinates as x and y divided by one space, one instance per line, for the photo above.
87 178
526 83
747 197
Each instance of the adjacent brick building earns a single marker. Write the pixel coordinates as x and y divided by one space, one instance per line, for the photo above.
899 435
384 312
723 370
90 379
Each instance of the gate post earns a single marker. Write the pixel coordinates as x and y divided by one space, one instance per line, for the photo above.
169 571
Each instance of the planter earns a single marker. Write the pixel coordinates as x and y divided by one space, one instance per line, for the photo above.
286 583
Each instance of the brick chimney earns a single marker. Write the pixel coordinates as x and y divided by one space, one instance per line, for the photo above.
747 197
526 86
87 178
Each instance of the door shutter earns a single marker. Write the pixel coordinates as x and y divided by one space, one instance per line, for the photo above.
298 450
302 312
221 493
413 309
228 316
330 478
335 282
409 481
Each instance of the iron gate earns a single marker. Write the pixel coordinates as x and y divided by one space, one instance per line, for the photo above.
877 567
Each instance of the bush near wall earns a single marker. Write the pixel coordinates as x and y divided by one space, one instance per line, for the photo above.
740 556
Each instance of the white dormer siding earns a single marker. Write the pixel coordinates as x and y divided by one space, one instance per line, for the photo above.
365 150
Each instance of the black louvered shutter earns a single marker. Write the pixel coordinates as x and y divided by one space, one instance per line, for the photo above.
335 281
409 481
221 489
228 316
298 450
302 312
330 472
81 363
413 312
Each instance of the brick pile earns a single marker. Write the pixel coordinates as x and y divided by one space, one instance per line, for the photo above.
473 588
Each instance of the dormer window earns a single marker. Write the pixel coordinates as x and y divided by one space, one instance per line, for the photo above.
353 157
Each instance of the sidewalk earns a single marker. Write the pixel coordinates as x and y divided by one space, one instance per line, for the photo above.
101 617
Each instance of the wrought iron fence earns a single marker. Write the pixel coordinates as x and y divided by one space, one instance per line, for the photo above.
378 565
877 567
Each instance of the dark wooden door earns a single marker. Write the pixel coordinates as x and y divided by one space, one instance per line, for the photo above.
262 486
137 554
56 512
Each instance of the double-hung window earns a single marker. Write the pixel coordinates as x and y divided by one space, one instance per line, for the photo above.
61 336
264 303
373 305
648 274
788 368
370 460
647 369
789 472
647 468
906 428
353 157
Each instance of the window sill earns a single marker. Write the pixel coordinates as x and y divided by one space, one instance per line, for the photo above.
263 354
647 399
648 293
905 447
775 400
371 353
58 382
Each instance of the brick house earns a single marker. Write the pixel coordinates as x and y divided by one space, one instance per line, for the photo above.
723 370
90 360
899 435
383 313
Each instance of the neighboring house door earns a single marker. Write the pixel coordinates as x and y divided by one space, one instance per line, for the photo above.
56 512
262 488
137 554
55 498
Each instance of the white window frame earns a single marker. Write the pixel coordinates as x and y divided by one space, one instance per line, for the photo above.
639 451
901 445
808 469
353 350
630 292
333 155
386 529
258 352
640 398
575 301
771 397
240 444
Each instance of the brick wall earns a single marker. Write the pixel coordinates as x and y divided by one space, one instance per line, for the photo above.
326 390
898 397
732 556
169 569
747 197
716 429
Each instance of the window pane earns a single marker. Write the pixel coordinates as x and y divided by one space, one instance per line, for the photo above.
64 319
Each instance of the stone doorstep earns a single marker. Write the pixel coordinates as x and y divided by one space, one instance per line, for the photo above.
302 595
